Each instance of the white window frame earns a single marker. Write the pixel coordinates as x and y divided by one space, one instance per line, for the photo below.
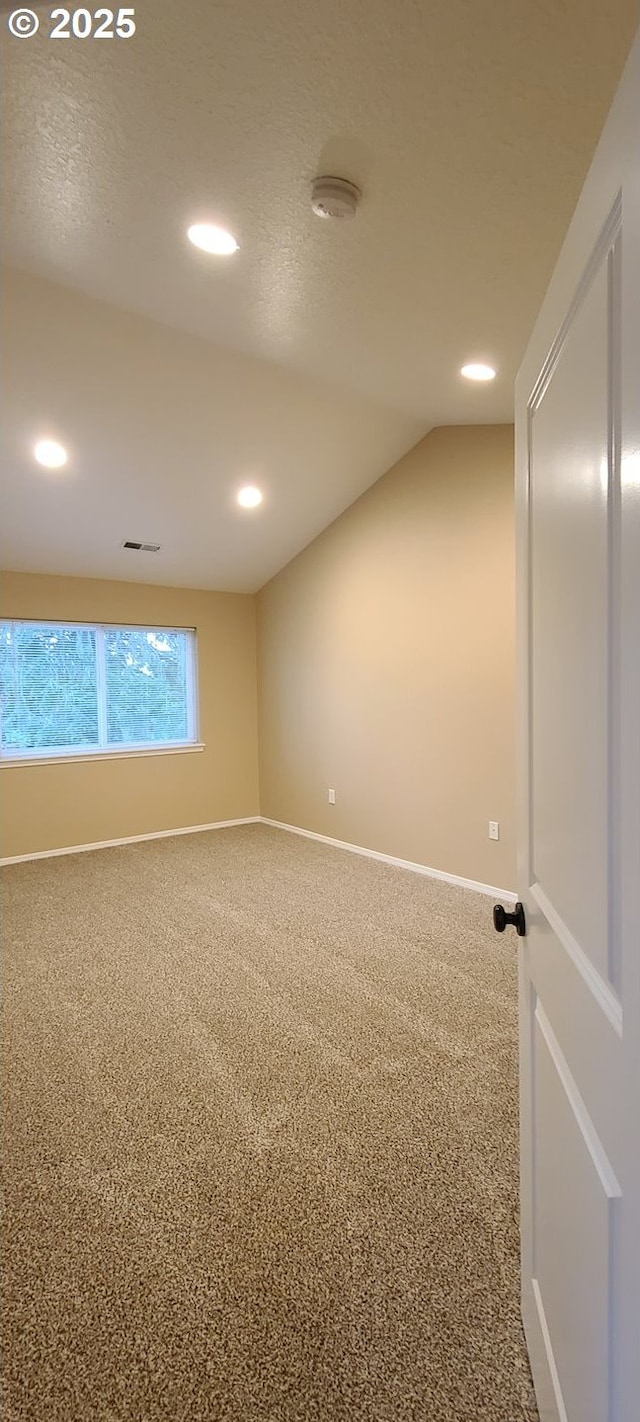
121 750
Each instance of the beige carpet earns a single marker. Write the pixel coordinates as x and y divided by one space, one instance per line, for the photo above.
261 1119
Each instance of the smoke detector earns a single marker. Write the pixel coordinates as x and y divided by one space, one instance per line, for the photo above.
335 198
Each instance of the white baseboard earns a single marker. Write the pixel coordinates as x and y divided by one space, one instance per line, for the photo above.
129 839
399 863
275 824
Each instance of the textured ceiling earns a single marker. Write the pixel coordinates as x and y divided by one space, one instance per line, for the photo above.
162 429
469 126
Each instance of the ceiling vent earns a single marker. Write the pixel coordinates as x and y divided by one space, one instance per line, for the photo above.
142 547
334 198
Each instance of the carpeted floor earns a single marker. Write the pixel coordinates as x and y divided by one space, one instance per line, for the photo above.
261 1133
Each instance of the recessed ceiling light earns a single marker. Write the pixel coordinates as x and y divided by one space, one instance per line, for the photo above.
478 372
250 497
212 239
50 453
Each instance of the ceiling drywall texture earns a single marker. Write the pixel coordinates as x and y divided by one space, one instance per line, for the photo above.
162 430
468 124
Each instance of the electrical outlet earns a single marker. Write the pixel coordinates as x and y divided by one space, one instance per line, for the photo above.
494 829
332 797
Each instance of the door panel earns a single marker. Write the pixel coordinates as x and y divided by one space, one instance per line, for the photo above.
569 571
574 1192
578 581
575 1008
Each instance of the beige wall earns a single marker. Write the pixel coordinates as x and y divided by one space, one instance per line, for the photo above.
386 664
50 806
385 670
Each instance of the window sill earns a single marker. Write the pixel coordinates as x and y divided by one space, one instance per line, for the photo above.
124 754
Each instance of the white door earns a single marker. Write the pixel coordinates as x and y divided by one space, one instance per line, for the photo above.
578 511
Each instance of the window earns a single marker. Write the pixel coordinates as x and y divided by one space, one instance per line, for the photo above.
68 689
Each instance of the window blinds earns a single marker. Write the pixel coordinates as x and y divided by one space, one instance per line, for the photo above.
70 688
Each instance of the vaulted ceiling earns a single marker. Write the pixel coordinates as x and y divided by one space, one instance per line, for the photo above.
317 354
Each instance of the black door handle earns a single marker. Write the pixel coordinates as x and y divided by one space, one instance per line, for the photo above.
501 918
